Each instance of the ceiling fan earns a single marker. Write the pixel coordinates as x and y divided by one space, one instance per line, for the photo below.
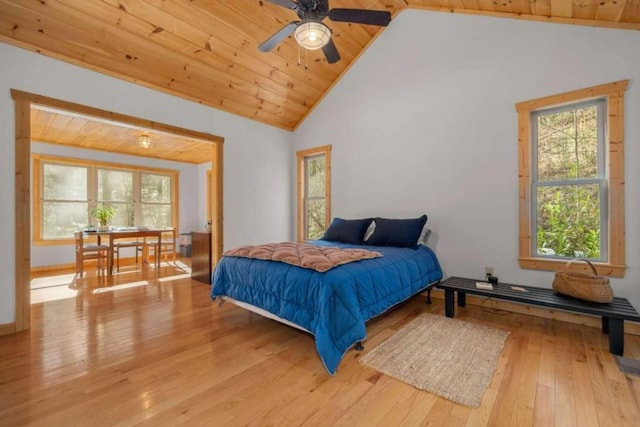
311 34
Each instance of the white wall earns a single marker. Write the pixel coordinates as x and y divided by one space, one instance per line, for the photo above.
425 122
257 169
189 195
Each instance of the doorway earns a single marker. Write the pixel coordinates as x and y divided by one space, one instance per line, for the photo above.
23 102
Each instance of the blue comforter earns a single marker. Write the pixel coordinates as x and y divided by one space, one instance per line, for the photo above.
334 305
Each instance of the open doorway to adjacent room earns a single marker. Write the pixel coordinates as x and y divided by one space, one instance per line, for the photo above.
50 121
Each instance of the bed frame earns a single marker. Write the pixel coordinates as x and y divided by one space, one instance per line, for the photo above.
357 346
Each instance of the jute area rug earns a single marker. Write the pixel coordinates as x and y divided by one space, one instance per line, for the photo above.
448 357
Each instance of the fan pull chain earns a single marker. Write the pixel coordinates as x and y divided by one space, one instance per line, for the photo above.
306 66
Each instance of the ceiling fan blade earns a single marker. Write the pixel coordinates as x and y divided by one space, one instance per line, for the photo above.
284 3
282 34
361 16
330 52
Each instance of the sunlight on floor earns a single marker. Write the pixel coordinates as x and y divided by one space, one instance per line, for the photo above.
64 286
120 287
172 278
53 293
181 265
53 288
49 281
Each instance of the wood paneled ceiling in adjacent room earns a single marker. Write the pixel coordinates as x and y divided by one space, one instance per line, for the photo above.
206 50
61 127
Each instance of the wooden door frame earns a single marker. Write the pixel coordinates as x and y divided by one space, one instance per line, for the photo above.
23 102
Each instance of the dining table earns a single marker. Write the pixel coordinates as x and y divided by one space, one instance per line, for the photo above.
109 237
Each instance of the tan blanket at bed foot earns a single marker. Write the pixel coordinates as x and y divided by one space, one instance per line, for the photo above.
319 258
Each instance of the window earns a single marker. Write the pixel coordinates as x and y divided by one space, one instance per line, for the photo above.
155 200
568 182
115 188
314 192
572 179
65 202
67 190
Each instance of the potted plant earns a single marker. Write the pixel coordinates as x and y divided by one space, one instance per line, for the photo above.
103 214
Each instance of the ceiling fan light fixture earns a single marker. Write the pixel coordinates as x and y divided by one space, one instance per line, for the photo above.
312 35
144 141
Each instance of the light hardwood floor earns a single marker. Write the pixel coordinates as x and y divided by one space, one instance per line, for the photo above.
161 353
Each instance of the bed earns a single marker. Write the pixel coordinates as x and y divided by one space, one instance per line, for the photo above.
334 305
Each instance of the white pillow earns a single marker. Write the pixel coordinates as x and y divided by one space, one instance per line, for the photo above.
369 231
424 235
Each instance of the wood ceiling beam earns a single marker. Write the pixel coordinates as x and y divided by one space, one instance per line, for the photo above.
113 116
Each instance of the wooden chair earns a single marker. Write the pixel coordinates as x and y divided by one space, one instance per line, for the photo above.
166 245
127 244
90 252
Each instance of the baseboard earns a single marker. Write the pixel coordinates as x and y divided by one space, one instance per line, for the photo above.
88 264
632 328
56 267
7 328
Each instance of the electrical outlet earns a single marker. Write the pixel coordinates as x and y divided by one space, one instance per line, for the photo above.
488 271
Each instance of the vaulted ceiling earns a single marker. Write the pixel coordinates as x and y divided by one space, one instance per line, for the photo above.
206 50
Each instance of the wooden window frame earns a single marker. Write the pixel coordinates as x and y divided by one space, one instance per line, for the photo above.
613 94
40 159
301 156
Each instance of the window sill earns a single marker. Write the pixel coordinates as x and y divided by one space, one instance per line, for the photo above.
604 269
53 242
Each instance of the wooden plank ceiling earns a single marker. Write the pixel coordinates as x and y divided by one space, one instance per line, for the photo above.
206 50
83 131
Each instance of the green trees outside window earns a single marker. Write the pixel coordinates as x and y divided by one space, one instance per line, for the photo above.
71 190
569 181
315 197
314 192
65 203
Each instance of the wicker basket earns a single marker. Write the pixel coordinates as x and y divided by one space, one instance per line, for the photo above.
581 285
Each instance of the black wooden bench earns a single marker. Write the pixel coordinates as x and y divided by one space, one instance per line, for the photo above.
613 314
